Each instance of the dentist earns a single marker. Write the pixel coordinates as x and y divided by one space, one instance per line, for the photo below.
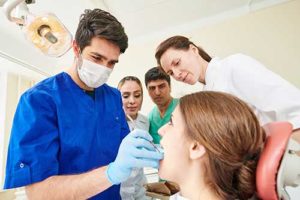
70 138
271 97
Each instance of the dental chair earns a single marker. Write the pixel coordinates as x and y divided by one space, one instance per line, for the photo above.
279 165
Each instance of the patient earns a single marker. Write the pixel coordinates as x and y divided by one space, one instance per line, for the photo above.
211 147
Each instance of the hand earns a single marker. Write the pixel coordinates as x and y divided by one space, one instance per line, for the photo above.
135 151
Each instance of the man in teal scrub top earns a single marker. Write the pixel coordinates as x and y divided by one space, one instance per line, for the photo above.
158 84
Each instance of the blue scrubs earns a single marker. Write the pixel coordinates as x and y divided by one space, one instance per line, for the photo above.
58 130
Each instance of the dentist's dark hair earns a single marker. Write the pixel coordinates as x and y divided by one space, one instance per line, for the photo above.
179 43
101 24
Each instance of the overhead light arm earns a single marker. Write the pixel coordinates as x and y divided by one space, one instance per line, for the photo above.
21 10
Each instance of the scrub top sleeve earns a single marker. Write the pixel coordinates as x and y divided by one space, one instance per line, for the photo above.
266 90
34 142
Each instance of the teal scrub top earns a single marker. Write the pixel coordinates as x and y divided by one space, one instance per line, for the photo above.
156 121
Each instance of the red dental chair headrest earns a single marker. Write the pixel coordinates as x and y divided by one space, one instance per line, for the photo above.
278 134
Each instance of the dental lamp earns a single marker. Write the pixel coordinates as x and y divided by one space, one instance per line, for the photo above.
44 31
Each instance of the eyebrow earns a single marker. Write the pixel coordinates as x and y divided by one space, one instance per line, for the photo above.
163 84
159 85
128 92
99 55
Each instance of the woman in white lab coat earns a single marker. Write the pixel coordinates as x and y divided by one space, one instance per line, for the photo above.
271 97
132 96
211 147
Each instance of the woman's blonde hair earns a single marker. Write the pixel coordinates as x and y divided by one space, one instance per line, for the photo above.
232 137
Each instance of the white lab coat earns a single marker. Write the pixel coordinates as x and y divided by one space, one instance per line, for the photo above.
141 122
132 188
271 97
177 196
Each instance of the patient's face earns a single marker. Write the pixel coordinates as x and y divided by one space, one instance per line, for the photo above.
175 145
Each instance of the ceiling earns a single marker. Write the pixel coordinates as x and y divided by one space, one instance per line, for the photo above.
142 19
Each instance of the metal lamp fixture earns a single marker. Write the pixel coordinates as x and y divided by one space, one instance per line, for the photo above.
44 31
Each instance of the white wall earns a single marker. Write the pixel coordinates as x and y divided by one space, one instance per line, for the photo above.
3 83
14 80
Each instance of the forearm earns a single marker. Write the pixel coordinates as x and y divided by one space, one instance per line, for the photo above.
82 186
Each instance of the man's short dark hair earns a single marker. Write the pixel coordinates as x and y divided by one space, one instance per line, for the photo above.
101 24
156 73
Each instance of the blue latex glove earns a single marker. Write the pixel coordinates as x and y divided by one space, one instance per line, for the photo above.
135 151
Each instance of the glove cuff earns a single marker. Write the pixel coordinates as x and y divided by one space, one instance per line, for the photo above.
109 176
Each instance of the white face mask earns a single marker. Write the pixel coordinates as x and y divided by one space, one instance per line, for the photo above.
92 74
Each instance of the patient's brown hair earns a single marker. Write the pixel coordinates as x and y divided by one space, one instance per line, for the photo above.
232 137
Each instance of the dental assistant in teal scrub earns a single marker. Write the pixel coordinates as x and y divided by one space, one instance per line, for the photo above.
158 84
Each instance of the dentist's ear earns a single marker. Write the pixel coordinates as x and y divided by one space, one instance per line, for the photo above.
76 49
196 150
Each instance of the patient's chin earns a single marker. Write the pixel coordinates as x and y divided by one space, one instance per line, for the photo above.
163 171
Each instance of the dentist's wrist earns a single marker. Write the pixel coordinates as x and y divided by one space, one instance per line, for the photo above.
110 174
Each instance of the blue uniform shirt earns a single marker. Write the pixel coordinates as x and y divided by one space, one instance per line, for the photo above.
58 130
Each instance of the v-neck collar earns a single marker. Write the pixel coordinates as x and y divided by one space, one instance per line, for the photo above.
79 92
211 74
168 109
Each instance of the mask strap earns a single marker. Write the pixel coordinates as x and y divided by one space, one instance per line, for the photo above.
79 60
